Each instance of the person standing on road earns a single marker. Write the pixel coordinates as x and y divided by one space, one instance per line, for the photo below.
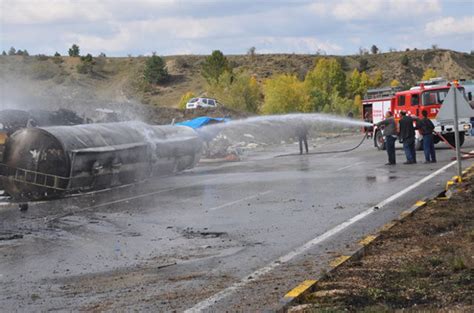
302 134
407 137
426 128
390 134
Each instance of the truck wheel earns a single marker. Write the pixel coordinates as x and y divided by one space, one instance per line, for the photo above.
452 141
379 141
419 144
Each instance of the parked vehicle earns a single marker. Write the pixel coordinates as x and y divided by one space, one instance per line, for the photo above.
195 103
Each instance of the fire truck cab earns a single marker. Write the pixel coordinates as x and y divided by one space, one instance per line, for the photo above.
427 95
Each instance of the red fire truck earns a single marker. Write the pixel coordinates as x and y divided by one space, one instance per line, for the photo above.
427 95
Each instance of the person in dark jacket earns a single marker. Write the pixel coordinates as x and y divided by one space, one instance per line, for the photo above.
302 134
390 134
407 137
426 128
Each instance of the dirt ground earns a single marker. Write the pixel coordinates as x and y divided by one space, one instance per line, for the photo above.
425 263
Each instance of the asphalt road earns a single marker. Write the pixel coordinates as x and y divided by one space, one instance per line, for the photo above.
221 237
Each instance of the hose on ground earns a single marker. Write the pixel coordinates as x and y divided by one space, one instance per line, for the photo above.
327 152
466 155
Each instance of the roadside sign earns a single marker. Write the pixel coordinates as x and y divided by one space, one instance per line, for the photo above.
446 113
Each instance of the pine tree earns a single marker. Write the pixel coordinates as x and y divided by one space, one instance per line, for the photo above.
74 51
155 70
214 66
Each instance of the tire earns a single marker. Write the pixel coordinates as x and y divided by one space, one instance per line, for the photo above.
419 144
452 141
379 141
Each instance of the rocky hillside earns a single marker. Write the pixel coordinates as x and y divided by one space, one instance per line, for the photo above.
39 81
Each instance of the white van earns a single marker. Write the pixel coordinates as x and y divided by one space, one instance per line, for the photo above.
201 103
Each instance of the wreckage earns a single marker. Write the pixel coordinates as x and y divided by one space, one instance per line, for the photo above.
50 162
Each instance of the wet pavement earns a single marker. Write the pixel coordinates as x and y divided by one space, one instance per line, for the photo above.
223 236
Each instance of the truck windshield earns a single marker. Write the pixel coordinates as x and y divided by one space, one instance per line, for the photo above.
432 97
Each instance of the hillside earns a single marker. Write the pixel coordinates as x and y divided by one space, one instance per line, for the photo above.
39 81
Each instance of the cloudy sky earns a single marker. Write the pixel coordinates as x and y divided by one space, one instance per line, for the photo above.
169 27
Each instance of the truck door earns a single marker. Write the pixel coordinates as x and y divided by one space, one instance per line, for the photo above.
415 105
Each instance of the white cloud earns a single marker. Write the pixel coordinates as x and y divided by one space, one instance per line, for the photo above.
378 9
450 25
295 44
42 12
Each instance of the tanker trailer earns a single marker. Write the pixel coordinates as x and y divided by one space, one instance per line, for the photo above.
50 162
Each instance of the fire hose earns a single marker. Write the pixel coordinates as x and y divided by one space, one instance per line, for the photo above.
466 155
328 152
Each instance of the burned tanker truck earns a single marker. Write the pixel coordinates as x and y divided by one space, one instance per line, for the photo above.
50 162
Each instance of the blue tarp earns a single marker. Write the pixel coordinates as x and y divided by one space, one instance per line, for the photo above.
203 121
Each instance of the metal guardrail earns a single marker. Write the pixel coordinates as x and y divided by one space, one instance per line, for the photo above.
34 178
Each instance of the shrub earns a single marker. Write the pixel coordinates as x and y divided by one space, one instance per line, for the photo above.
404 60
184 99
429 73
239 91
87 65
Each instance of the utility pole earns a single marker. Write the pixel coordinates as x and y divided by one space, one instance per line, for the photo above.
456 134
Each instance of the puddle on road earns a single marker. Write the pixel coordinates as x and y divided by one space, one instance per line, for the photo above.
380 179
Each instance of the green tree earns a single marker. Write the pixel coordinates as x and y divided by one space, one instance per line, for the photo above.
285 93
429 73
353 83
374 49
238 91
214 66
155 70
364 83
57 54
184 99
4 53
363 65
74 51
12 51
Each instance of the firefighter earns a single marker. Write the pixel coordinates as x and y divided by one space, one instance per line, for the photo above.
407 137
390 134
302 134
426 128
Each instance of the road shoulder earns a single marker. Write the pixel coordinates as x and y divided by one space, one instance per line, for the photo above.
424 262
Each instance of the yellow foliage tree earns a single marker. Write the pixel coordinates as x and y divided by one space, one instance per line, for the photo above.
184 99
357 104
239 91
429 73
394 83
377 79
284 94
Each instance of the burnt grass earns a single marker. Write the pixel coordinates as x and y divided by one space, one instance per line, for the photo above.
425 263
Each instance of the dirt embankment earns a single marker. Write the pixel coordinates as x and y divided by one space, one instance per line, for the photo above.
115 83
425 264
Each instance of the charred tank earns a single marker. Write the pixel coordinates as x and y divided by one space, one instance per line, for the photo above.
49 162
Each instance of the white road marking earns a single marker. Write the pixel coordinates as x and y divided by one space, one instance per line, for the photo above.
343 168
240 200
205 304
